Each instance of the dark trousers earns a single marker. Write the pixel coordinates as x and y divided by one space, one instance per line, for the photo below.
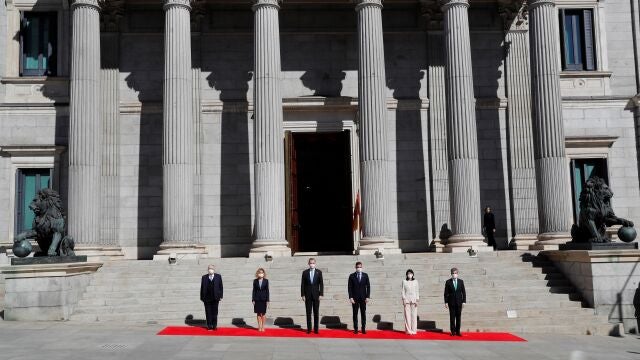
491 239
314 305
211 311
362 305
455 315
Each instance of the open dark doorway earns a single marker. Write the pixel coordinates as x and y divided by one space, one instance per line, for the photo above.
319 192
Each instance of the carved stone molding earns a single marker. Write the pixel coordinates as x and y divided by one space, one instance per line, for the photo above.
198 12
111 11
514 14
432 13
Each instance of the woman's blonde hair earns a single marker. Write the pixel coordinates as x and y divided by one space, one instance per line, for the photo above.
261 270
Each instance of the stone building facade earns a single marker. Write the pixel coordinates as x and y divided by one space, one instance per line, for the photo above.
235 128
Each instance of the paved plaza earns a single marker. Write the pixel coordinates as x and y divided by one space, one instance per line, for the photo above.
64 340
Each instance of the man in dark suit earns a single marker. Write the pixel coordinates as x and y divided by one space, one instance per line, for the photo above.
455 297
210 295
311 291
359 293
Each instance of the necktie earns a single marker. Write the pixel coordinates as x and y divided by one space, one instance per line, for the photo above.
455 284
359 277
311 275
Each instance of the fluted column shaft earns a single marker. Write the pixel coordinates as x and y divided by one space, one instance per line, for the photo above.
269 185
374 147
462 144
554 207
523 183
178 154
84 124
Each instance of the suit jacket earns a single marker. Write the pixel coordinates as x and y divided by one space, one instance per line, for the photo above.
359 290
452 296
260 293
312 290
211 292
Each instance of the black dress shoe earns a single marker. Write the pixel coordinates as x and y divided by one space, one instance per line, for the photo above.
458 334
355 331
452 334
308 331
315 331
364 331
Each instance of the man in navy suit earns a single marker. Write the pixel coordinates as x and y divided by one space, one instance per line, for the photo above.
455 297
311 291
359 293
210 295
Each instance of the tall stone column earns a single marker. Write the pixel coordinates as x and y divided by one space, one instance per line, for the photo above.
178 135
85 125
374 143
462 145
269 228
518 88
554 206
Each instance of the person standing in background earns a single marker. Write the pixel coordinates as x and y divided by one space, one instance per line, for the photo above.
490 227
410 298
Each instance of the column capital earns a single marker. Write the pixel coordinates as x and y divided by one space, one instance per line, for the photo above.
448 4
432 13
360 4
514 13
266 3
111 11
176 3
85 3
532 4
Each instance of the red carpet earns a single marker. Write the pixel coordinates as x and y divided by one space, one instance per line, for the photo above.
337 334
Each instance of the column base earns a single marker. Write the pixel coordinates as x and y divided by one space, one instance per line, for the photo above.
186 251
436 246
551 241
100 253
523 241
371 246
462 242
278 248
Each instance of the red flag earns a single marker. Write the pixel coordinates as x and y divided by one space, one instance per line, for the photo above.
356 226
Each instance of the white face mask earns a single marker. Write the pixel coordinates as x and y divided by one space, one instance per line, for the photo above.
211 271
455 276
312 266
359 269
260 276
410 276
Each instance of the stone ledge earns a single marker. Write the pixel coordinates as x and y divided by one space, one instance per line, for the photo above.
48 270
593 256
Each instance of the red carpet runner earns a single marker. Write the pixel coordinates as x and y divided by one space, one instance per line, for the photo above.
337 334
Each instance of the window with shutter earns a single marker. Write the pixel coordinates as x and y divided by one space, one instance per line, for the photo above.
578 52
38 43
28 183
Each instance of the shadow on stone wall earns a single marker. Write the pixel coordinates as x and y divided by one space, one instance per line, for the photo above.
236 231
404 77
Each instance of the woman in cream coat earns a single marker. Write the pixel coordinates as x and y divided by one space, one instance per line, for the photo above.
410 298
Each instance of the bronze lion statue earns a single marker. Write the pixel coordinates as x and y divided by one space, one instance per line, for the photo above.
595 213
48 226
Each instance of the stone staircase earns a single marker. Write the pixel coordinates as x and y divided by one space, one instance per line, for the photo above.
542 300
